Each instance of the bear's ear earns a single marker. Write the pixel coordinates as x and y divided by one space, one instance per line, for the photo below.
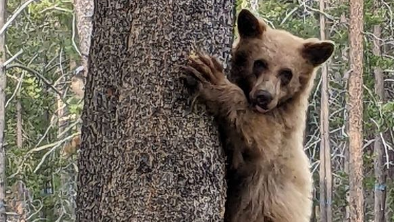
317 52
249 25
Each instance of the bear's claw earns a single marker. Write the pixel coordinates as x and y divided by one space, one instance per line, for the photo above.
205 68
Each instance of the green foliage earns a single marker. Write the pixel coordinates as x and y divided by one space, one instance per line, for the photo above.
341 190
44 32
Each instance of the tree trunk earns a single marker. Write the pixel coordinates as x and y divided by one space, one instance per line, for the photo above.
380 175
21 191
143 156
346 159
3 79
325 151
346 169
65 209
19 136
84 13
356 196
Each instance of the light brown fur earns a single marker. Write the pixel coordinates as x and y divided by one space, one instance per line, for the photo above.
268 176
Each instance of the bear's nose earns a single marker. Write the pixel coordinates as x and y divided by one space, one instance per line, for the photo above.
263 98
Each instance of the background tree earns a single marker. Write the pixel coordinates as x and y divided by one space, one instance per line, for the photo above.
143 157
325 150
379 169
83 14
3 79
356 197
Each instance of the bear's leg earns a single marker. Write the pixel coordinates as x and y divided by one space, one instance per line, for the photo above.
223 98
290 205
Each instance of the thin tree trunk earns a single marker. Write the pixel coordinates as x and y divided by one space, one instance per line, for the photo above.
84 13
143 156
380 175
345 57
3 79
346 169
20 207
21 189
386 49
63 123
325 151
19 136
356 195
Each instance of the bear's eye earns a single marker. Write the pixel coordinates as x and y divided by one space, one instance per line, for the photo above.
285 76
259 66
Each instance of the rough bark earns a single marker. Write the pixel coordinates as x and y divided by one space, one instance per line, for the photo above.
356 196
379 170
143 156
3 79
325 151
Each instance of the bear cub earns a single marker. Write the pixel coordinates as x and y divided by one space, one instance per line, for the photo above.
261 111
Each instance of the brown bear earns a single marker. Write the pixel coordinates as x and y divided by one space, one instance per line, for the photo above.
261 111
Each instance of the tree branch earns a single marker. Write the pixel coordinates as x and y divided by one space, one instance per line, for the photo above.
12 58
37 74
18 86
16 13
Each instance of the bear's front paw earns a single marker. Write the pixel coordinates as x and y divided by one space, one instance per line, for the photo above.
192 84
206 69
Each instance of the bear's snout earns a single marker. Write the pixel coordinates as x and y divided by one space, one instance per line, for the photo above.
262 99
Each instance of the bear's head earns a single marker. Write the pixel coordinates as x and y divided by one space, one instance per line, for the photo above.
270 65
